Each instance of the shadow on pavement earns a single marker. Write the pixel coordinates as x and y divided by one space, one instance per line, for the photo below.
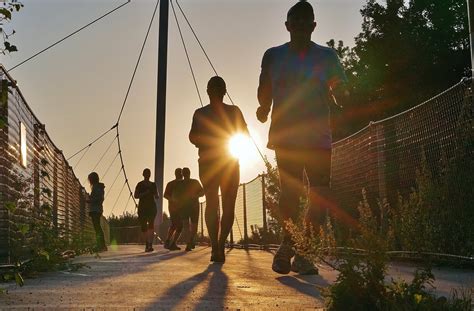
306 284
213 298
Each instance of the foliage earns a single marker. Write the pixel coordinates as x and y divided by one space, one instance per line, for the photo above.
36 245
8 7
361 283
424 221
407 52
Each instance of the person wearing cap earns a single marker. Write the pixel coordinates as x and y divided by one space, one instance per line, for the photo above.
295 84
212 127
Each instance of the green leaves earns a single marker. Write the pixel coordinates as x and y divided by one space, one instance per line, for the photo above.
23 228
10 206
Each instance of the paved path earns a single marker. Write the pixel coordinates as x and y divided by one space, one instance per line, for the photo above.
128 278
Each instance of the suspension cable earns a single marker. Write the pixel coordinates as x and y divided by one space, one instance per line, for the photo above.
126 205
215 71
92 142
110 165
68 36
118 197
105 152
82 157
138 62
113 183
123 169
187 55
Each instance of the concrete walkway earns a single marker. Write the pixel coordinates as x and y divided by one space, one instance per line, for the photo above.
126 277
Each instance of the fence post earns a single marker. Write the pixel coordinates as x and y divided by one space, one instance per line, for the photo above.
264 207
246 237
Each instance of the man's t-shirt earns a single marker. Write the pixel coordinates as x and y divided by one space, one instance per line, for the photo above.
187 193
169 191
146 191
299 86
212 128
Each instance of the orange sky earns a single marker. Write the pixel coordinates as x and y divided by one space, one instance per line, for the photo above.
77 88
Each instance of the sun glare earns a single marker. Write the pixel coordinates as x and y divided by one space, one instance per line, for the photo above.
241 147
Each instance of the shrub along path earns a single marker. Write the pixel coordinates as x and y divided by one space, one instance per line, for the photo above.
126 277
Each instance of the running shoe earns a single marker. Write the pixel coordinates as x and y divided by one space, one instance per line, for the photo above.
174 247
282 259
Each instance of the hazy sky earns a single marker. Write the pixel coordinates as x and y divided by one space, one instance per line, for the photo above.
77 88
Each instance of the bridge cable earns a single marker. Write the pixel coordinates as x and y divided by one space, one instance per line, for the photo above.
118 197
113 183
110 165
267 163
187 55
80 159
68 36
125 101
92 142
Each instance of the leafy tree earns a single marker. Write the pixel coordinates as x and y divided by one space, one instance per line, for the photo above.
7 7
407 52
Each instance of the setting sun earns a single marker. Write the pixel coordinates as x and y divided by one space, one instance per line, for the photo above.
242 148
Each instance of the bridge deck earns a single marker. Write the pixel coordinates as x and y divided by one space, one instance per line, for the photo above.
128 278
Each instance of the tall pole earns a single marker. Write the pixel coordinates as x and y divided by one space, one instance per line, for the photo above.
161 107
470 16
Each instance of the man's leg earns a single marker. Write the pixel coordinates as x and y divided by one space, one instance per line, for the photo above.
193 221
177 234
291 175
229 188
318 170
207 175
171 230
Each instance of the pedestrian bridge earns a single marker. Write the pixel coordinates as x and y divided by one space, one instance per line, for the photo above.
126 277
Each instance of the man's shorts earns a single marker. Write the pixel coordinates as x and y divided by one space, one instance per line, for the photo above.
175 218
146 218
190 212
316 162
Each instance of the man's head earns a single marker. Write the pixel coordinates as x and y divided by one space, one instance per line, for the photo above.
216 87
186 172
146 173
300 21
178 173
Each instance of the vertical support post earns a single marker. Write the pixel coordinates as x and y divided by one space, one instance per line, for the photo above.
470 16
161 108
264 206
246 236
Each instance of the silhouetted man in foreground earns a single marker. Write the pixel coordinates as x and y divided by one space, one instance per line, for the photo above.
213 126
296 78
187 194
146 192
176 223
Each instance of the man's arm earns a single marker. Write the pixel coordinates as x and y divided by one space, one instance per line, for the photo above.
194 135
168 193
337 82
264 91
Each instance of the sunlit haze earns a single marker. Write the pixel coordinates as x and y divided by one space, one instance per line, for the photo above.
78 87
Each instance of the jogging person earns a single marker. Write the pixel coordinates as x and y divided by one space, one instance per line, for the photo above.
296 78
146 192
96 209
176 226
188 192
213 125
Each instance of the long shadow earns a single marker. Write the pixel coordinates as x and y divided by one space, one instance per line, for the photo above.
216 291
214 296
308 285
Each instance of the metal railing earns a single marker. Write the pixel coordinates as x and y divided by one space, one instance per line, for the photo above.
28 151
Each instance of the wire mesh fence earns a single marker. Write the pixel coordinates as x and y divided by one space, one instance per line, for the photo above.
28 153
382 158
